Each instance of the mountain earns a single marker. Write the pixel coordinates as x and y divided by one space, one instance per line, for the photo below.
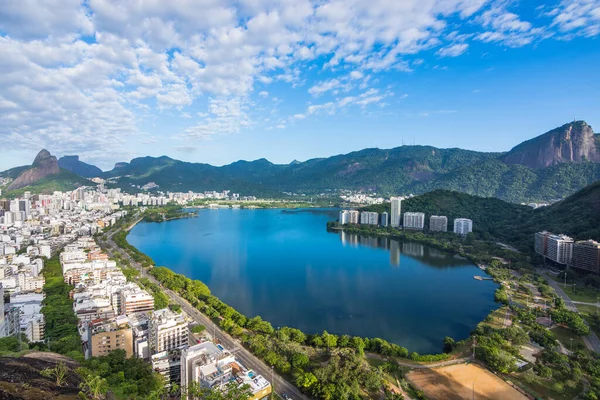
73 164
43 165
572 142
43 176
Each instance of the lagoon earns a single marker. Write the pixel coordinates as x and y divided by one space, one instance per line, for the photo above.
286 267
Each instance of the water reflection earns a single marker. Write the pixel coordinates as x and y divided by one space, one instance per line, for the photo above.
426 255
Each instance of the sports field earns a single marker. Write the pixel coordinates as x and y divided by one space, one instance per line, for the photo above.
457 382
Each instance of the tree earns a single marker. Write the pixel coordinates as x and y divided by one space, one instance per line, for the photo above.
306 380
231 392
449 344
300 360
198 328
93 385
329 340
59 373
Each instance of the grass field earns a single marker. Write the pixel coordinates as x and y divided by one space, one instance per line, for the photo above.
564 336
585 294
462 381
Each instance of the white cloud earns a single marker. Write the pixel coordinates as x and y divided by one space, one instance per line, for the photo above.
85 74
454 50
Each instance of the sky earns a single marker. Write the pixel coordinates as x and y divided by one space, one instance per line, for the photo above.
215 81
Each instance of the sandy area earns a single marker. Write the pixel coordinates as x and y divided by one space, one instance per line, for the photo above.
457 382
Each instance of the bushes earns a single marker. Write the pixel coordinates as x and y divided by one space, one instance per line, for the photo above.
57 307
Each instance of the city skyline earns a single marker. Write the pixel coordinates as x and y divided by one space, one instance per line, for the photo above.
215 82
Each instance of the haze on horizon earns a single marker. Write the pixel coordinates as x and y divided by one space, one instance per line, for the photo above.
216 81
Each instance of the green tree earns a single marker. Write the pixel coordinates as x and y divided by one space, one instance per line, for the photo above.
449 344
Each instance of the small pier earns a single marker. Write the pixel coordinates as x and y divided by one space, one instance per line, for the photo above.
482 278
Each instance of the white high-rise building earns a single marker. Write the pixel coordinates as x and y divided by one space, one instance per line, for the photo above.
414 220
462 226
396 207
344 217
560 249
167 331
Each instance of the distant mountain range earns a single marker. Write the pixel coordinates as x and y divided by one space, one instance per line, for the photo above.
550 166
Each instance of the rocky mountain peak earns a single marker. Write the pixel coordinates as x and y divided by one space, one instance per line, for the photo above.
44 164
572 142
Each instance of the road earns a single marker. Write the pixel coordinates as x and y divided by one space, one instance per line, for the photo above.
591 340
280 385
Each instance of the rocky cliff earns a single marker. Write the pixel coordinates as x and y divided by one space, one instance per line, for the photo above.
44 165
573 142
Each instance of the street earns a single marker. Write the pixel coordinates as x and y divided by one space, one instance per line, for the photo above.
280 385
591 339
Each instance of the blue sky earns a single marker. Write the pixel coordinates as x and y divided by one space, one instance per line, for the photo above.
216 81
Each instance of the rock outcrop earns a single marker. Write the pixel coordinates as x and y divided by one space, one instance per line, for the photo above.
73 164
573 142
44 165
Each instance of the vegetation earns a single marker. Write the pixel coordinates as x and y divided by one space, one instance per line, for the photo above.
127 378
63 181
61 323
166 213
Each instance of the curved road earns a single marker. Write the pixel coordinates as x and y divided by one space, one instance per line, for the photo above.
280 385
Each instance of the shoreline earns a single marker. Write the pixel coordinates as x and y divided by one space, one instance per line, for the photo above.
337 229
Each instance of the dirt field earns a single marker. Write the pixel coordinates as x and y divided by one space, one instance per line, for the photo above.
455 382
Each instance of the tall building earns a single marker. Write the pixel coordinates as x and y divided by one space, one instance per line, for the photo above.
462 226
168 364
167 331
353 216
344 217
560 249
586 256
384 219
395 209
105 336
541 243
414 220
438 223
212 366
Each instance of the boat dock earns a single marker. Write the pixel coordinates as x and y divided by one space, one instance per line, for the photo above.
483 278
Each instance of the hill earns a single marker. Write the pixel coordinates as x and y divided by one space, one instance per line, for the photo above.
493 219
73 164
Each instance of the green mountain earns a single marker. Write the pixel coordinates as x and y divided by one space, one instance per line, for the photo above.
43 176
548 167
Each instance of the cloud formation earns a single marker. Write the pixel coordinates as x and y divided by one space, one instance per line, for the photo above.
87 74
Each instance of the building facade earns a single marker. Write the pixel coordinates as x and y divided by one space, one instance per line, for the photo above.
560 249
395 211
136 300
353 216
384 219
105 336
541 243
438 223
344 217
586 256
462 226
414 220
167 331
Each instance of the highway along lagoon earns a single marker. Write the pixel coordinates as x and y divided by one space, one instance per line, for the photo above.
286 267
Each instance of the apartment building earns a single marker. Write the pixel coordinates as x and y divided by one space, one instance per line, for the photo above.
384 219
395 210
541 243
414 220
353 215
104 336
462 226
212 366
560 249
135 300
167 330
586 256
438 223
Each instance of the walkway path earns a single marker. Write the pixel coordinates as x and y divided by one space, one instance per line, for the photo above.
591 341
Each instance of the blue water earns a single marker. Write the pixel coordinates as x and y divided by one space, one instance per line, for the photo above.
284 266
